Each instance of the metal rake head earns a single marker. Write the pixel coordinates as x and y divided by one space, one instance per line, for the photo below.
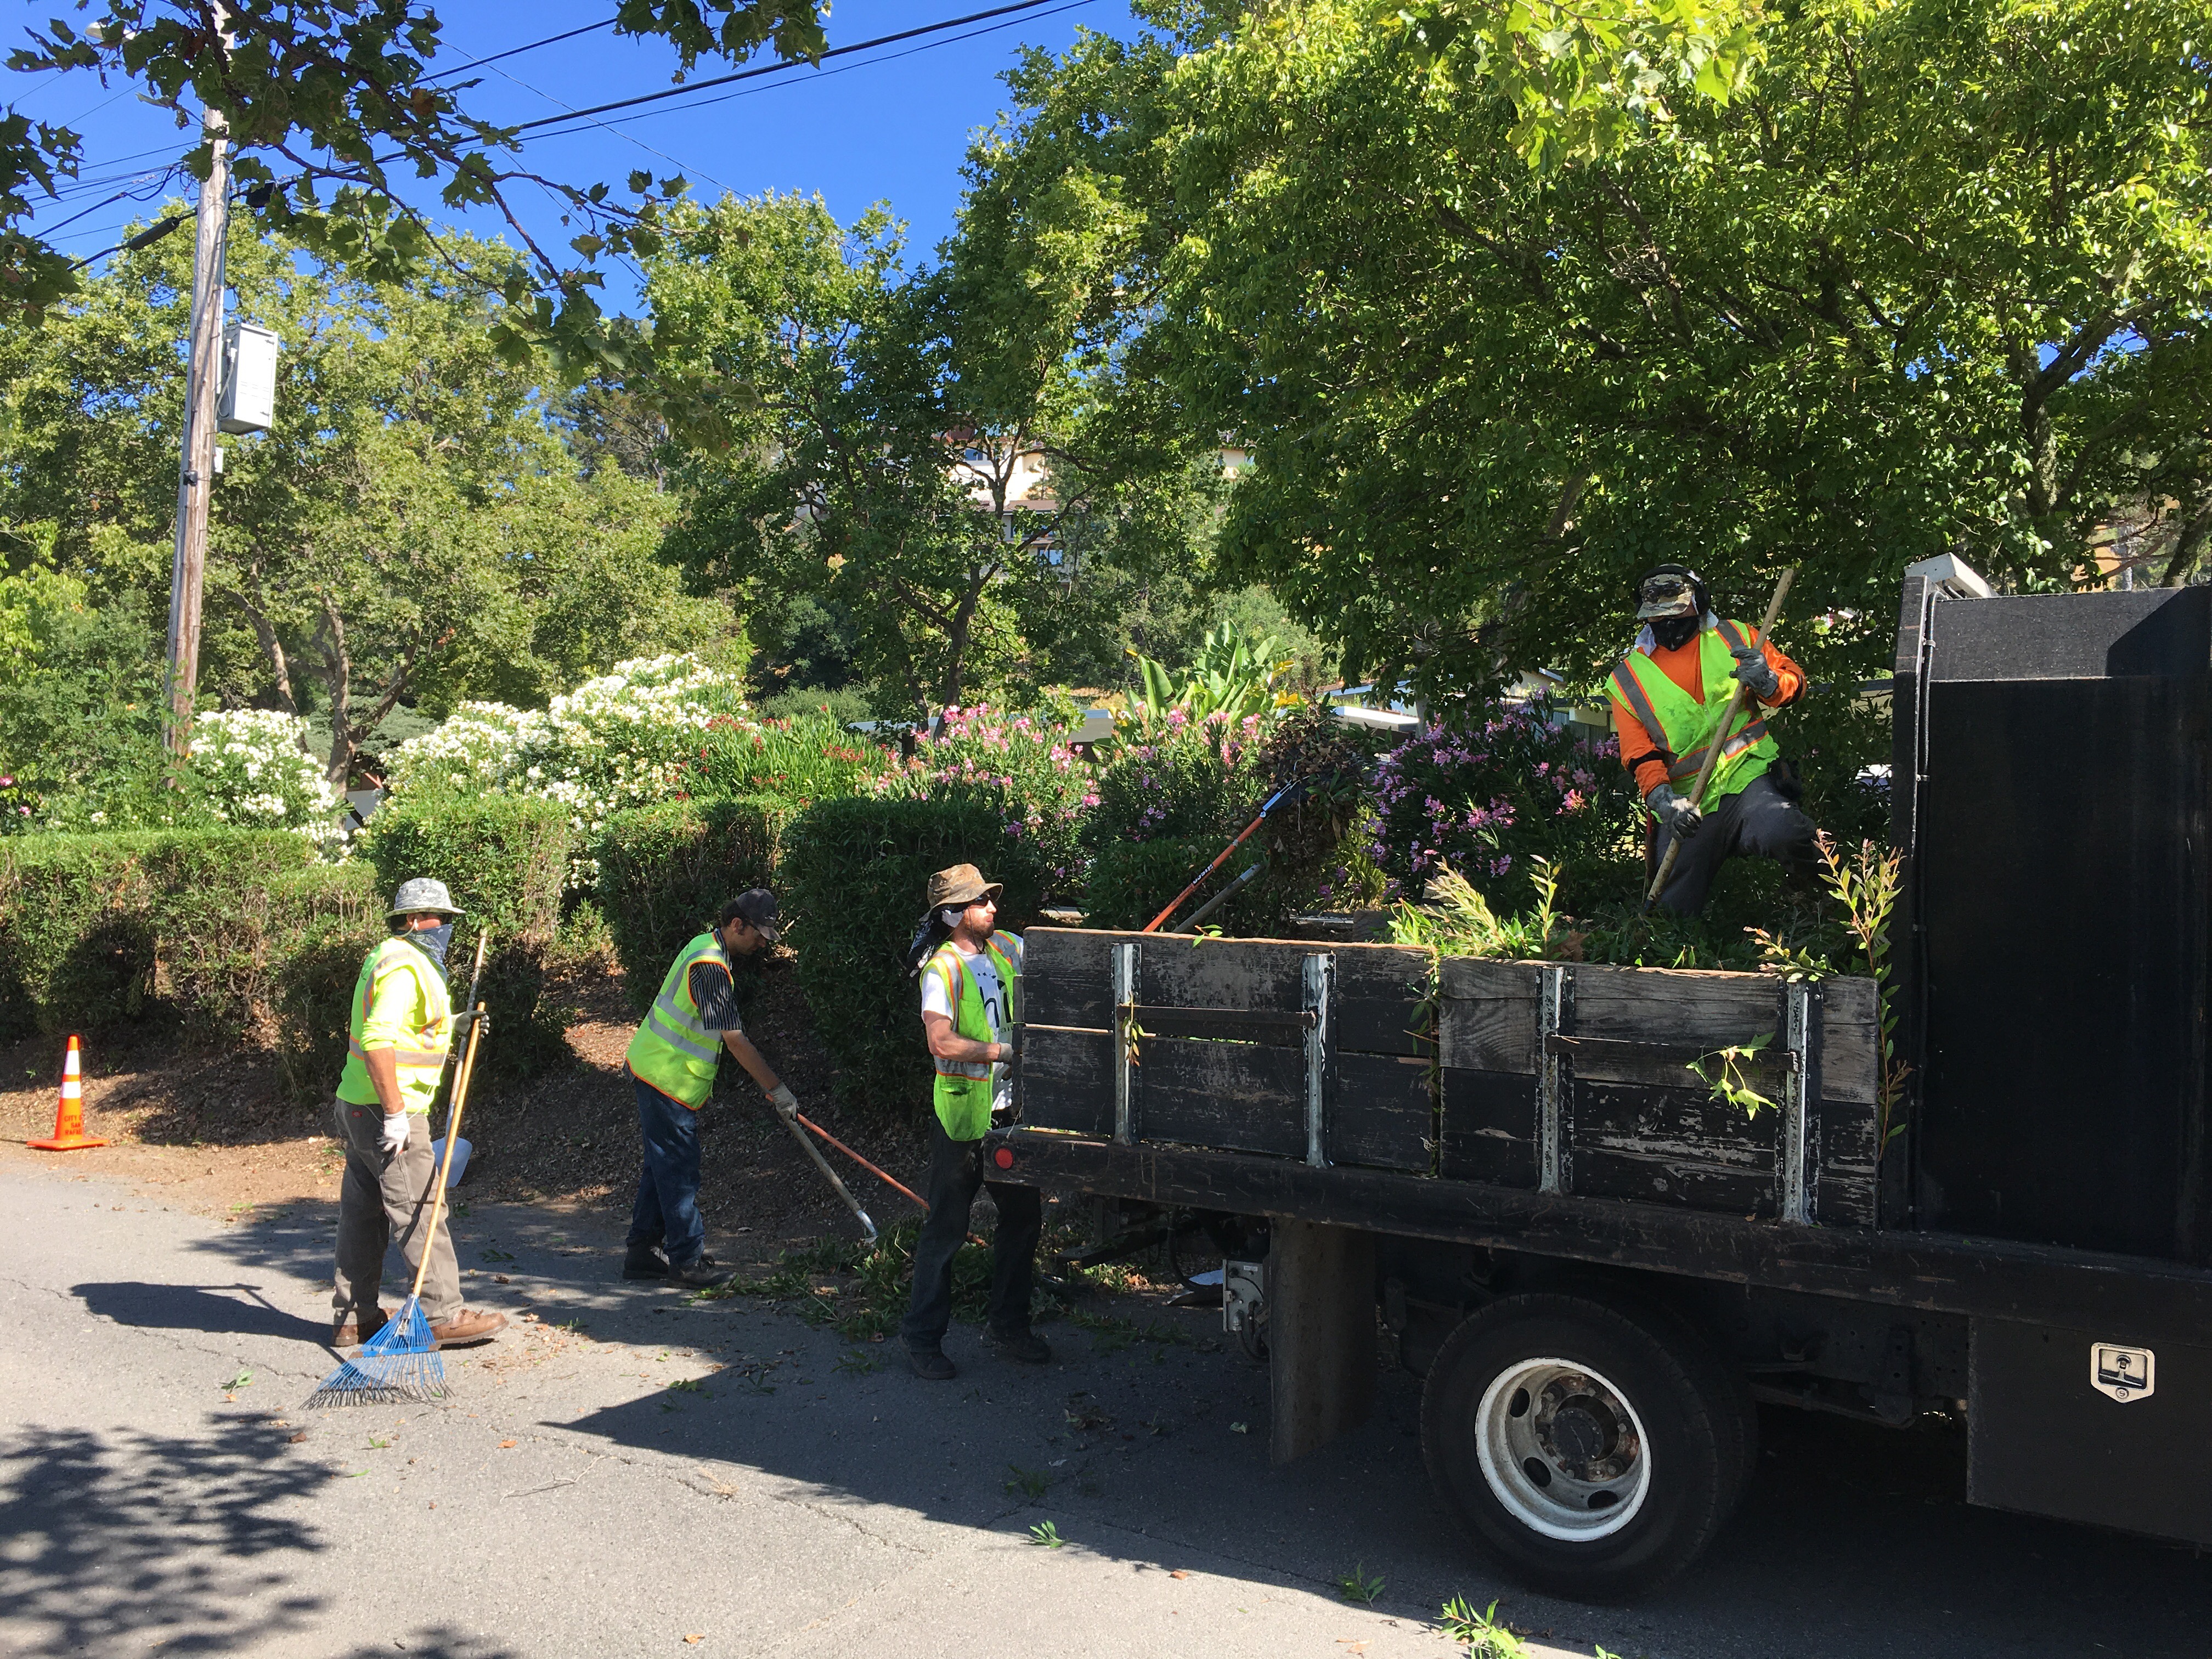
400 1363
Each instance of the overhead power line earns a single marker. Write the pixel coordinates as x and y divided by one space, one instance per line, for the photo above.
778 68
478 62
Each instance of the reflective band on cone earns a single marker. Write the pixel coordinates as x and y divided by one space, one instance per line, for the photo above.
68 1111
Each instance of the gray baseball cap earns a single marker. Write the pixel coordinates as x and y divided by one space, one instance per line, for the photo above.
423 893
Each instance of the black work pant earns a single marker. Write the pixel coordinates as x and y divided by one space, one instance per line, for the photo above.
956 1172
1758 819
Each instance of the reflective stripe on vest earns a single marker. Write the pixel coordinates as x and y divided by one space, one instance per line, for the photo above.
963 1091
1685 726
418 1071
672 1049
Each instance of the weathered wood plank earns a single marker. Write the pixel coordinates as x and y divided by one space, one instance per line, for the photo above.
1848 1001
1381 1115
1844 1201
1847 1135
1065 977
1604 1172
1685 1124
1849 1063
1486 1019
1231 1097
1066 1081
1487 1128
1707 1010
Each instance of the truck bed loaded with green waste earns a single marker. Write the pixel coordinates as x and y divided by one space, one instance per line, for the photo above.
1606 1212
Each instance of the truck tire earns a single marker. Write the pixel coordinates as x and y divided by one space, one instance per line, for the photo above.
1594 1451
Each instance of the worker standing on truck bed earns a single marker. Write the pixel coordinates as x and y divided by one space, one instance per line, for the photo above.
970 1003
672 1061
1668 695
399 1042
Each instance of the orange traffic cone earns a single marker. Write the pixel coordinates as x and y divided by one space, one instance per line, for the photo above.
68 1111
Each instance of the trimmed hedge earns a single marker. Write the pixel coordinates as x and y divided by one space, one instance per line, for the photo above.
225 932
505 859
854 875
665 870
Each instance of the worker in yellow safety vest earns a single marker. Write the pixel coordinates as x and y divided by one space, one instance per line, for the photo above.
672 1059
1668 695
399 1038
970 1013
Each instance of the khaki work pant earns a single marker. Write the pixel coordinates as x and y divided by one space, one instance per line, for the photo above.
384 1195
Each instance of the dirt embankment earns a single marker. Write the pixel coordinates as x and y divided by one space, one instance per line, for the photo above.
218 1132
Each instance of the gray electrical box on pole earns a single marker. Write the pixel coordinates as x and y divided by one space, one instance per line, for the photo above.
249 380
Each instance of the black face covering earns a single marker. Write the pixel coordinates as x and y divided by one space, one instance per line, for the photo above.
1674 632
433 941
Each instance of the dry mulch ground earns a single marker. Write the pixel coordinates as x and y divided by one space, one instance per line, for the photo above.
221 1133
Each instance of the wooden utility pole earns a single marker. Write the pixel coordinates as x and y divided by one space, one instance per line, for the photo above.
196 467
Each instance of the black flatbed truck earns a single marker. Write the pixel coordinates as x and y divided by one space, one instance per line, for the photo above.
1600 1271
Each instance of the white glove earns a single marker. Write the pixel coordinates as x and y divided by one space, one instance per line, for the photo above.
784 1101
395 1132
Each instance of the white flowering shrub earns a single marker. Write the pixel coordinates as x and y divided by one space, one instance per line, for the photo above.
255 773
617 741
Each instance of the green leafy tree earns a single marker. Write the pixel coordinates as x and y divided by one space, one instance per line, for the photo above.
415 529
912 453
1864 284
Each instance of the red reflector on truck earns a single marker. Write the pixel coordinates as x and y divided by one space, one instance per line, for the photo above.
1003 1157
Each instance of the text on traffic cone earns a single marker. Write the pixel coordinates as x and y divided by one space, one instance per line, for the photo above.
68 1111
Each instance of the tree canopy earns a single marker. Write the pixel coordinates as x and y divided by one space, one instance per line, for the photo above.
1924 275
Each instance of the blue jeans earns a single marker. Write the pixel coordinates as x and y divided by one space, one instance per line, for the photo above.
667 1210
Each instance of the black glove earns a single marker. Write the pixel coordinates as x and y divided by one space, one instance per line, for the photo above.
1756 673
476 1017
1678 816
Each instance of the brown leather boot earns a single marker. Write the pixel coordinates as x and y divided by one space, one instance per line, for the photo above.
468 1327
351 1331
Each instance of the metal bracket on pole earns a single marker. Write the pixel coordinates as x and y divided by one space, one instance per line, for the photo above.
1125 1043
1320 992
1796 1197
1551 1019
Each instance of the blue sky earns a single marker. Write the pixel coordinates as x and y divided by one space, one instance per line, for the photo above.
856 132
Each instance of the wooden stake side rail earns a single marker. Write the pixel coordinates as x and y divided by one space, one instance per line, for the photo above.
1553 1077
2124 1298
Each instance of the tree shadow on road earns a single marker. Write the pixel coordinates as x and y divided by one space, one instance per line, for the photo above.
129 1537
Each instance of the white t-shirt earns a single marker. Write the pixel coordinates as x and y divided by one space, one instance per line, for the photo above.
936 999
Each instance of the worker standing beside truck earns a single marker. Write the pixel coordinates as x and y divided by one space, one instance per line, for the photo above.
970 1005
399 1039
1669 694
672 1061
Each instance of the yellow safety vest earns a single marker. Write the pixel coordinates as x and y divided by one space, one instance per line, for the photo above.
673 1050
427 1026
963 1094
1687 727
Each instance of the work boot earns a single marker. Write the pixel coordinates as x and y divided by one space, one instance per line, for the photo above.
929 1363
1024 1345
351 1331
468 1327
701 1272
644 1261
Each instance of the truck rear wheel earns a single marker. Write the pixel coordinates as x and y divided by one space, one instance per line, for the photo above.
1594 1451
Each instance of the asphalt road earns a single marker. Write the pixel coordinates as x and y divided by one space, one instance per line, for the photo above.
809 1497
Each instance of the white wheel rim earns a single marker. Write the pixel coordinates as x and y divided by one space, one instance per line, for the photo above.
1562 1449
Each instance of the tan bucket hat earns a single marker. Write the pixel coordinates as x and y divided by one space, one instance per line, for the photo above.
963 885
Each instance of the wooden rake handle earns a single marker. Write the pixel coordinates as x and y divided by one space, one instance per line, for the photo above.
453 1119
1720 738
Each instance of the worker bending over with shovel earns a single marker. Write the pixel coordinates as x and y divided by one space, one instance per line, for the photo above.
1669 694
398 1044
672 1061
970 1003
